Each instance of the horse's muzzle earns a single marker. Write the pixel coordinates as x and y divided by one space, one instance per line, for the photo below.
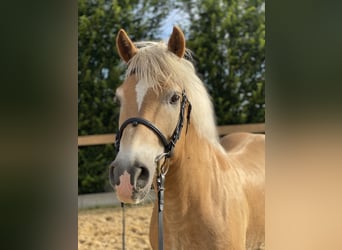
130 182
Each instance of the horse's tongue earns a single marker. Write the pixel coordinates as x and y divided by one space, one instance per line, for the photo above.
124 190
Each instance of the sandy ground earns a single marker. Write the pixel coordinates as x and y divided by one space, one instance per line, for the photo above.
101 229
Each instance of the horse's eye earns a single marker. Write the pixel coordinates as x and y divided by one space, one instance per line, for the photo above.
174 99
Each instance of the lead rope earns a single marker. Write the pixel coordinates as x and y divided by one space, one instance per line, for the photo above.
123 226
161 172
160 184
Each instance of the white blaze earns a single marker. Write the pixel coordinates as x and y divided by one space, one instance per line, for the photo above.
141 89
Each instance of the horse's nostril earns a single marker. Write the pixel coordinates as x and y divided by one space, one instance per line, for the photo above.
143 177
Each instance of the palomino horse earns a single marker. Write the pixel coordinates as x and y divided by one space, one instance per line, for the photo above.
214 190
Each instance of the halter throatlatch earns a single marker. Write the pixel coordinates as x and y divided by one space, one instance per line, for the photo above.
161 168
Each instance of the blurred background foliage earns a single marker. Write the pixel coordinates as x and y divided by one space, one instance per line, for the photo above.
228 41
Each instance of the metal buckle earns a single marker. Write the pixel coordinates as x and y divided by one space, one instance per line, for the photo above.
164 167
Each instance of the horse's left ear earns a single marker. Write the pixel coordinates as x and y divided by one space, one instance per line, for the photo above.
177 42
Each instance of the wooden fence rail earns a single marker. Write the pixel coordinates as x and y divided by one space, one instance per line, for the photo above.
89 140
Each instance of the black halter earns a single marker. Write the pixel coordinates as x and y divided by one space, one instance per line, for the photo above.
168 145
168 150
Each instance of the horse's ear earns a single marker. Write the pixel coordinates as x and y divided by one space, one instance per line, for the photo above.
125 46
177 42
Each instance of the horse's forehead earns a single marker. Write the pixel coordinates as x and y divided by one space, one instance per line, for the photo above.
127 88
134 89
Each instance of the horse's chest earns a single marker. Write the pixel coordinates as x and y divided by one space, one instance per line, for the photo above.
191 238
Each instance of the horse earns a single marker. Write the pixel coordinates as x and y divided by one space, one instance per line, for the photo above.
214 188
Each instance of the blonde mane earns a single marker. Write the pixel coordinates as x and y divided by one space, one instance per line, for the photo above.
160 68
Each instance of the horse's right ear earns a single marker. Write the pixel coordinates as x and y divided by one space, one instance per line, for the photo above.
125 46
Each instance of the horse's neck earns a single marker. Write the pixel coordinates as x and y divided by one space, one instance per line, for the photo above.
195 175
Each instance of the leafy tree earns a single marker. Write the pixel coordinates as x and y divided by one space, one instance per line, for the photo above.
228 41
100 72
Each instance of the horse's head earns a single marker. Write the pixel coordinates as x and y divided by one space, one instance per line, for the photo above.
152 104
